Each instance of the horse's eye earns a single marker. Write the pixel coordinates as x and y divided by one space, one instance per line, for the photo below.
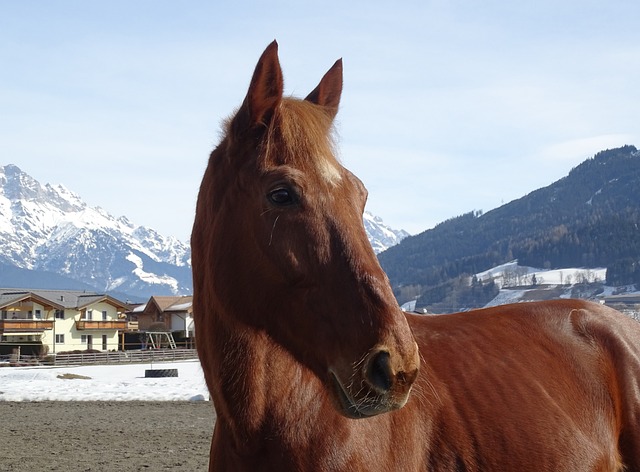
282 196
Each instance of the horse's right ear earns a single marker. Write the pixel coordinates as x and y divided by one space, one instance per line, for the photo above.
264 95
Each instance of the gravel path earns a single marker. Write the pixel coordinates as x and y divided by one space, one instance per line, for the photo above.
105 436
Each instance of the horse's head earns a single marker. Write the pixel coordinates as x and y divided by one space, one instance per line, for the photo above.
279 246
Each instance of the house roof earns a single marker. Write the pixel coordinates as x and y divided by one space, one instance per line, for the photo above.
169 304
59 299
138 308
11 298
86 300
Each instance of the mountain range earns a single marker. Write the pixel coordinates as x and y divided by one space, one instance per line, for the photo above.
50 238
589 218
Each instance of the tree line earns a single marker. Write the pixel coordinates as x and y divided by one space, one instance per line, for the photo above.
590 218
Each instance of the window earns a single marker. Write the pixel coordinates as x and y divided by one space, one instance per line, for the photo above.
59 338
59 314
4 314
83 339
38 314
104 315
89 315
30 315
104 340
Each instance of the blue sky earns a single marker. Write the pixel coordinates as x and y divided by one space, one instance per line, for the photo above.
448 106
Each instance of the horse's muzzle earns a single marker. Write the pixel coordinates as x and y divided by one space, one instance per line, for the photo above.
378 387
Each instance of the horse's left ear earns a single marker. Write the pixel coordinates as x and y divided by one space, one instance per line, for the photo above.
328 91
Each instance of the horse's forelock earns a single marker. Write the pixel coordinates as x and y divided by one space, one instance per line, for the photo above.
302 135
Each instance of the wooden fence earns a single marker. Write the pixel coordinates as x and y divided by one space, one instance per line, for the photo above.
94 358
126 357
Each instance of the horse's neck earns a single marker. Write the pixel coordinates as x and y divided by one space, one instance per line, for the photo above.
260 387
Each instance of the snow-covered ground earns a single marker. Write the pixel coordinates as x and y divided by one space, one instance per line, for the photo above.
521 283
513 275
107 383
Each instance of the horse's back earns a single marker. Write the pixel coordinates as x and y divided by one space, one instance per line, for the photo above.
555 384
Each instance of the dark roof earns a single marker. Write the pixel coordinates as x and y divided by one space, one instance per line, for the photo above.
60 299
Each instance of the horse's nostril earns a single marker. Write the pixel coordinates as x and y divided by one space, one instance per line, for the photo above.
380 374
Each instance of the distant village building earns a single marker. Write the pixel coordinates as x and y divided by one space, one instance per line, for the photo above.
172 315
50 321
37 322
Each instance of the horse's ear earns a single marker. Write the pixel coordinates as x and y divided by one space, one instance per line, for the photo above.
328 91
265 92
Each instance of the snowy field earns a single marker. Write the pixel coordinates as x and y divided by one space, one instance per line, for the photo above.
107 383
513 275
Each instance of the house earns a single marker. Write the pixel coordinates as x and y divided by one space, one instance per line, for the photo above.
167 314
50 321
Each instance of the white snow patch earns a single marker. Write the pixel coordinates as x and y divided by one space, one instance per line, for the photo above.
149 277
571 276
115 283
590 201
106 383
507 296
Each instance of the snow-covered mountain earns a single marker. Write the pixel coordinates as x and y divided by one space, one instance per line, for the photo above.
50 230
381 236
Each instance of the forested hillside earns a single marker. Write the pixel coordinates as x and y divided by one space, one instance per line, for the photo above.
590 218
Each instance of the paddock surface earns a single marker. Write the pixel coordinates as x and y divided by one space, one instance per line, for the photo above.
105 436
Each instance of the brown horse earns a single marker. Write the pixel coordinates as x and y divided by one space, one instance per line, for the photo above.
313 367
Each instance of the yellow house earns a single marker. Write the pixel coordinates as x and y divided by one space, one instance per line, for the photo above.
51 321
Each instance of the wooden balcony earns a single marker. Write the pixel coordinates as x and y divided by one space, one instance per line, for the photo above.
25 326
110 324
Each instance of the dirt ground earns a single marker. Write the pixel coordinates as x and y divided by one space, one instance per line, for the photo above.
105 436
